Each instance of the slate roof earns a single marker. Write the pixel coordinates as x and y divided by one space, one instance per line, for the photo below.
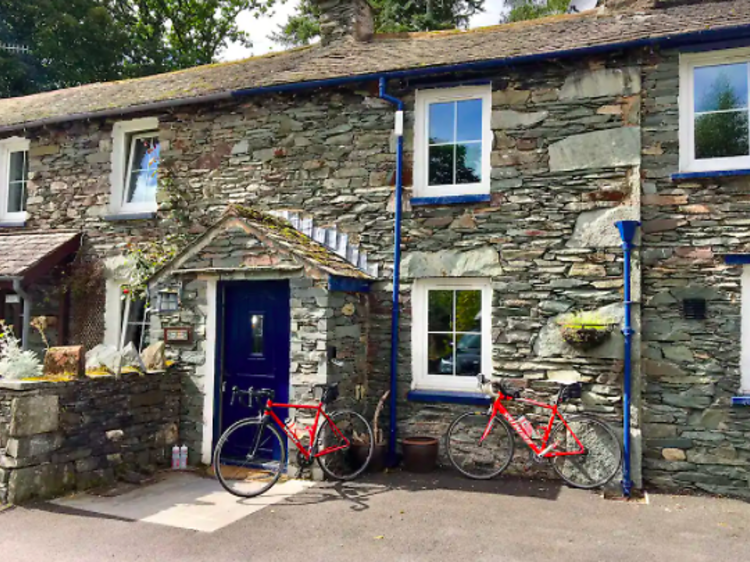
276 233
22 253
384 54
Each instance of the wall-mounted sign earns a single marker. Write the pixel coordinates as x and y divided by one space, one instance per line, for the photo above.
174 334
12 299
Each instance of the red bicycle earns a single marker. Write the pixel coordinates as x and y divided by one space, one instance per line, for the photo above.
251 454
582 449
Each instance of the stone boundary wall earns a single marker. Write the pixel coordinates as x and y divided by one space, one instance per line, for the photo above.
60 437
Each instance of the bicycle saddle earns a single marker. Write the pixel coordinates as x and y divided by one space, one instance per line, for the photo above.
499 386
330 392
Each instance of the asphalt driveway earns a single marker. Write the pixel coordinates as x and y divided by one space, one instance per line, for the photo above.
403 517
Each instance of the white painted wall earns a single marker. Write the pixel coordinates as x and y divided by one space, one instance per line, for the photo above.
208 372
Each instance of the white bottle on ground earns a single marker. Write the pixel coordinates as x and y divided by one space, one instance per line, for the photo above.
183 457
175 458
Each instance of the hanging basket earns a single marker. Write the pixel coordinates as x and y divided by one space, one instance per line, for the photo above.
585 337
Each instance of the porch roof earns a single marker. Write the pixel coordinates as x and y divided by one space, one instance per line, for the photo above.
274 232
30 255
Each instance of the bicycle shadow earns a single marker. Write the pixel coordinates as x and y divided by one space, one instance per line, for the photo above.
361 491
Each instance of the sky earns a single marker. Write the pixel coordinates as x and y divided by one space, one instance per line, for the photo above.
260 28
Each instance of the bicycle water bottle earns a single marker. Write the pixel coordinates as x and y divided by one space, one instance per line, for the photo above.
525 424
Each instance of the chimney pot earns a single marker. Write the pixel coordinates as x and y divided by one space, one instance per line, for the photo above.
345 18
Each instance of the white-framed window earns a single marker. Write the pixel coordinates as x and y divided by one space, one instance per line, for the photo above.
126 320
135 162
715 110
452 141
451 333
14 178
745 333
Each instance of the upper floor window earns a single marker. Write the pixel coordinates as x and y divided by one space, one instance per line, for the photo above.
714 111
14 177
135 162
452 142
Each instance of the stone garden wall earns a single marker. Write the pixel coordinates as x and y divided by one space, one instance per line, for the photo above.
61 437
693 437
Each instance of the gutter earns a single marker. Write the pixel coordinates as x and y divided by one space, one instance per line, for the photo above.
19 290
395 320
738 32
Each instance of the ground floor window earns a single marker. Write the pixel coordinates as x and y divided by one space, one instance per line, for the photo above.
451 330
134 322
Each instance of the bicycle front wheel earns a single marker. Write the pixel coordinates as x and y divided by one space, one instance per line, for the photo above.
351 442
249 458
602 454
474 457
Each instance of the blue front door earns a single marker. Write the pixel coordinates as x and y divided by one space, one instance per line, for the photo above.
254 340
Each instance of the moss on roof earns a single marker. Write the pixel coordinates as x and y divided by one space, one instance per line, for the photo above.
385 53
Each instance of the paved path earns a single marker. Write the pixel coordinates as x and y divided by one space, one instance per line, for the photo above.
401 517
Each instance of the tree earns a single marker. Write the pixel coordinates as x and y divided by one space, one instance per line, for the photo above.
392 16
521 10
70 42
75 42
725 134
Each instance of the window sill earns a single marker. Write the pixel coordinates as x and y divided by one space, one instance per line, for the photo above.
743 400
12 224
449 200
125 216
449 397
710 174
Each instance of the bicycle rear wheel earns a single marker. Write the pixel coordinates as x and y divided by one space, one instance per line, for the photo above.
249 458
602 452
478 459
353 434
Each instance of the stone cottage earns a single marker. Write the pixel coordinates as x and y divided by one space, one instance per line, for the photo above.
413 209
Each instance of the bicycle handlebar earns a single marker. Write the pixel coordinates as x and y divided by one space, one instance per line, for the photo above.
251 393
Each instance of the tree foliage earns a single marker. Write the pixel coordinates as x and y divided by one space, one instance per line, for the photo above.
723 134
76 42
521 10
391 16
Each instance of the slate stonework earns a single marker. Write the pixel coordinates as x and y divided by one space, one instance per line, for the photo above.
59 437
694 438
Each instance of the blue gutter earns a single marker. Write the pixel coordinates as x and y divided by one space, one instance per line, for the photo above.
670 41
627 232
392 460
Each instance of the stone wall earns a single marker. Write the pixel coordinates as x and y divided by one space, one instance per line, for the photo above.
86 433
694 438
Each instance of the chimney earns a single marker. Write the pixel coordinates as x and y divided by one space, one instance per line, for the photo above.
345 18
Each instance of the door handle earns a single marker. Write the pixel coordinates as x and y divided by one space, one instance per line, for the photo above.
223 387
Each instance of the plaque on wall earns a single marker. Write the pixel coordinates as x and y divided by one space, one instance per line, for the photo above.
181 334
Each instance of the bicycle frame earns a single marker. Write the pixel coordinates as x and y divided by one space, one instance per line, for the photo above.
319 412
545 451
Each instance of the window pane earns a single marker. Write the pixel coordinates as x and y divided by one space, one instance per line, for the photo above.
17 197
256 323
143 175
18 169
469 123
468 311
440 354
441 165
468 354
442 122
721 87
469 163
440 311
721 135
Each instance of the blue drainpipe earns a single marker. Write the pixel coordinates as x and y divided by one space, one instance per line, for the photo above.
399 129
627 233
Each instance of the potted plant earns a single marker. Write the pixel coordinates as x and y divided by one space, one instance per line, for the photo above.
585 330
361 442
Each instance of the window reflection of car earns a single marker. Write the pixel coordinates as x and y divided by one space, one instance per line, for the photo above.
468 356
